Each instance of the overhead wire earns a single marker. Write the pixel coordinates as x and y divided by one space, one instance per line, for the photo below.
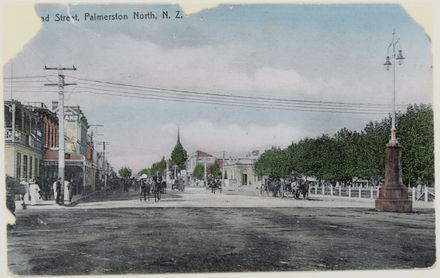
145 92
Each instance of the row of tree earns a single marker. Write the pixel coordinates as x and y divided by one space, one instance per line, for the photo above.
359 154
199 171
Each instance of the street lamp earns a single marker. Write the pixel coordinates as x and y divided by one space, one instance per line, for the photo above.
393 194
397 57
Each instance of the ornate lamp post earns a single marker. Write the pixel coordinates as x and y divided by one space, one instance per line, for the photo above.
393 194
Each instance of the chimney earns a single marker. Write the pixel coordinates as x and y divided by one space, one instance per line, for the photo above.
54 105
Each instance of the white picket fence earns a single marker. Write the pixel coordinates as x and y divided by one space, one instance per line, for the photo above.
426 194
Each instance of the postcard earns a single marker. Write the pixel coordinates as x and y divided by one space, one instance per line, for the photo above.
283 138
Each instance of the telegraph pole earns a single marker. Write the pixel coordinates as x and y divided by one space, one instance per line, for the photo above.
104 162
223 171
61 149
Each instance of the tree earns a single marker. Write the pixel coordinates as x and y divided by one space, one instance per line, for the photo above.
198 172
160 166
179 155
352 154
125 172
215 170
146 171
416 136
272 163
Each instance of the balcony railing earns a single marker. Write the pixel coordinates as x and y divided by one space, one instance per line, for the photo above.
32 141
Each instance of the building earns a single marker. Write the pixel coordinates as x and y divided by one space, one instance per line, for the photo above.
24 135
80 166
199 158
49 120
239 168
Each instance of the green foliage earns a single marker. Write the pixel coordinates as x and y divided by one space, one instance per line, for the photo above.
179 155
348 154
124 172
160 166
215 170
198 172
416 135
146 171
272 163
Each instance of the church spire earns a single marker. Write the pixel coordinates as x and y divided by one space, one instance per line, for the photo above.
178 136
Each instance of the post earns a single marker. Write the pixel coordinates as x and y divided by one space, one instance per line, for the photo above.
413 195
340 190
223 170
323 189
331 189
393 196
360 192
61 150
309 190
426 193
316 189
371 192
61 147
377 192
205 174
105 165
349 191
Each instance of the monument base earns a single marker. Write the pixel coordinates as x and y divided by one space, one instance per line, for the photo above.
393 205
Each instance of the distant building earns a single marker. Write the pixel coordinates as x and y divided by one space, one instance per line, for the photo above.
201 158
239 168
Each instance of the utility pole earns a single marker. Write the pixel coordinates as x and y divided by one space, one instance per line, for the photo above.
223 171
61 84
104 162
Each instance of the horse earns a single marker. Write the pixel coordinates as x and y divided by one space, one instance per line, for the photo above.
304 190
145 191
215 184
274 187
157 188
264 188
163 188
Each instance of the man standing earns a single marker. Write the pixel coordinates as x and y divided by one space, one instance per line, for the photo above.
59 197
71 190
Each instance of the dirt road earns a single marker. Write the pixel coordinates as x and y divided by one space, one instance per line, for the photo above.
92 239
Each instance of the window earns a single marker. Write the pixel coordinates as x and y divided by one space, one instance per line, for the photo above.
36 168
25 166
30 167
18 167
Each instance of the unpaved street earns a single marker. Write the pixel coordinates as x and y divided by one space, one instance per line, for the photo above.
112 237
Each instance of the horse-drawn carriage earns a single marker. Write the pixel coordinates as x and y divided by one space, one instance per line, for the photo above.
214 184
293 185
153 185
178 184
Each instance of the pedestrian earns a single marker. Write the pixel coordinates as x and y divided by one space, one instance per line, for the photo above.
54 190
34 192
71 190
57 192
47 189
67 191
144 191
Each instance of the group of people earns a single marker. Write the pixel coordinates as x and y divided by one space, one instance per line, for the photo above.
155 185
213 183
293 184
34 195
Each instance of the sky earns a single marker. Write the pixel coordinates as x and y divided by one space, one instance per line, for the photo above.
303 52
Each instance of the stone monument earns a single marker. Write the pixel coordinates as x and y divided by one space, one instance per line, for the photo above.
393 194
